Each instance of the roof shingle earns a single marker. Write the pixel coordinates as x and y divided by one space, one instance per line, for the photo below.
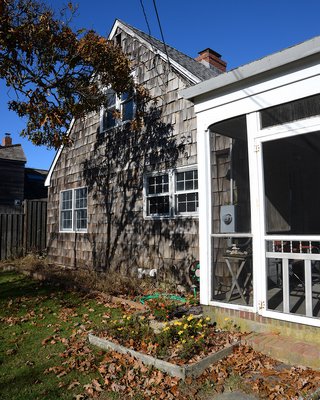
193 66
14 153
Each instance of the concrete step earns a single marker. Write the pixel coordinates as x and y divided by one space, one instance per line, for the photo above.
286 349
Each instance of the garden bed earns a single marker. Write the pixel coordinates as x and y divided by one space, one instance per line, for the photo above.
180 371
182 347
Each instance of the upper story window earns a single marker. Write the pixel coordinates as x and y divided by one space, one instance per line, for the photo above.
120 109
171 193
73 210
292 111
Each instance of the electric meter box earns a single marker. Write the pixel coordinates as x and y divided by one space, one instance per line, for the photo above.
228 219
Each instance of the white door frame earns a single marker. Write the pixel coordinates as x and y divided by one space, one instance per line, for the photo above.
261 136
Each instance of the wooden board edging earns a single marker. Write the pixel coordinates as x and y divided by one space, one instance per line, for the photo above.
180 371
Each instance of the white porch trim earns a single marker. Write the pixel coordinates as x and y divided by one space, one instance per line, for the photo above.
284 77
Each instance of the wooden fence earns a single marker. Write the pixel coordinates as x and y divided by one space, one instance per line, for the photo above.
25 232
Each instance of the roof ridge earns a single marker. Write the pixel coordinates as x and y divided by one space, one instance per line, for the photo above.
11 145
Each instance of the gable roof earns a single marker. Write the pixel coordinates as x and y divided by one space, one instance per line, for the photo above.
193 69
12 153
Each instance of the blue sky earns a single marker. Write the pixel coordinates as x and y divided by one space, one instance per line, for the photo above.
240 30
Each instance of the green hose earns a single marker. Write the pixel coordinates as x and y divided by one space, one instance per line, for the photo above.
157 295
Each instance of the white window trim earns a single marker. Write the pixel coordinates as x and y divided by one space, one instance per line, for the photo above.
73 211
172 193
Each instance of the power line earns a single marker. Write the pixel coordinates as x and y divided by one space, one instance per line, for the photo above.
149 31
145 17
162 37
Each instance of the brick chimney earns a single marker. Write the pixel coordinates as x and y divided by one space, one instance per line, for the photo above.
211 59
7 140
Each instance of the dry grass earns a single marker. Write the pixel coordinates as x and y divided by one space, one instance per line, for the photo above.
87 279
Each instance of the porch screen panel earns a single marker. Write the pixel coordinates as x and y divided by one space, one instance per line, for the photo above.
231 238
292 111
292 223
292 189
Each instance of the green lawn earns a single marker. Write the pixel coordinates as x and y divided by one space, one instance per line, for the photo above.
43 330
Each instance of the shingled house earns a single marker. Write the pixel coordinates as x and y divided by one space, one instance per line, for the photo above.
120 198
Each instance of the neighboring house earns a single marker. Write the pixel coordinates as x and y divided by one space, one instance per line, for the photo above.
122 198
18 183
34 180
12 166
259 172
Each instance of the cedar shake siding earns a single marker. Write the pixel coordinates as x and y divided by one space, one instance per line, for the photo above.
115 165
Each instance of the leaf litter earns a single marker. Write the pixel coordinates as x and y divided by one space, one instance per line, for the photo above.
122 374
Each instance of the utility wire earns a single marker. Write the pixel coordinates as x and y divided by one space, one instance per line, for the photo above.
145 17
165 46
149 31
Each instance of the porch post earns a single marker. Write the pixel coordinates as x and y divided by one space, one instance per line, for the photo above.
204 182
257 218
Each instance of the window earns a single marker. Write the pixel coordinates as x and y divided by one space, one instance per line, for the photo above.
119 109
73 211
171 193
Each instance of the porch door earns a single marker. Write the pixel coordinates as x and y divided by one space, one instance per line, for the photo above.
231 238
290 174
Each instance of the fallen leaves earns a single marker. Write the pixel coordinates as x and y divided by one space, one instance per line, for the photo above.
73 385
264 375
11 352
124 374
93 388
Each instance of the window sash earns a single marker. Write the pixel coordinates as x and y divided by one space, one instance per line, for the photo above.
187 180
66 220
187 203
158 184
159 205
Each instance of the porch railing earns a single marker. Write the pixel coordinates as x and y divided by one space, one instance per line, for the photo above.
302 253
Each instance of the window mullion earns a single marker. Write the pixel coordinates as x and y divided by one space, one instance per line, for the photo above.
73 209
103 110
171 193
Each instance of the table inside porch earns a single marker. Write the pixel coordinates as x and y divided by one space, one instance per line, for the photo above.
241 261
